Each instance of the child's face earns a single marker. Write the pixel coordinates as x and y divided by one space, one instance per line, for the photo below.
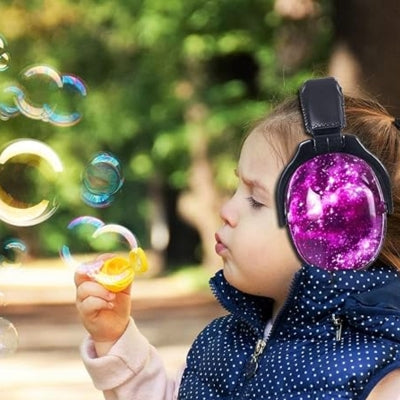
258 256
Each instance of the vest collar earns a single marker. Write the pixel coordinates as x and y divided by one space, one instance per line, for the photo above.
320 293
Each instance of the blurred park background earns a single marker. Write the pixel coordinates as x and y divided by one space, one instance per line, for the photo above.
171 88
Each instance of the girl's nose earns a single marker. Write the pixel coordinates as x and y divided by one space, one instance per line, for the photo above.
228 213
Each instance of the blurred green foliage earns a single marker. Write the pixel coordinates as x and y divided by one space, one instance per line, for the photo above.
143 62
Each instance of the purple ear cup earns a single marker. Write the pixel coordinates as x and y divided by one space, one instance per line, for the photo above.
336 212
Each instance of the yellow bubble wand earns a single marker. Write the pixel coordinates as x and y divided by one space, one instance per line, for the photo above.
118 272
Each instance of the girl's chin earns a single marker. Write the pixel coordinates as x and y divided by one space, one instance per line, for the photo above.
230 275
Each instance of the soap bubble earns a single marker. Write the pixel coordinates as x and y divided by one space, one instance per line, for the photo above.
71 84
8 337
4 60
112 256
12 252
101 180
97 238
41 82
2 299
29 170
80 230
8 93
4 54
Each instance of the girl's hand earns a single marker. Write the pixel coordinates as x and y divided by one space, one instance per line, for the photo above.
104 314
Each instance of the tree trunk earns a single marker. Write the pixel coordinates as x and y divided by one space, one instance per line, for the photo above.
366 56
199 205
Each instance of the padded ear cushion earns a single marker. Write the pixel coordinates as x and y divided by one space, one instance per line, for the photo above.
336 212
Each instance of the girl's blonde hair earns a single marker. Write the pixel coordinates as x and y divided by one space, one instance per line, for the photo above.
372 124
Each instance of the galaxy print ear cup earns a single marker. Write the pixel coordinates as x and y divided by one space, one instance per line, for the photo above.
336 212
334 195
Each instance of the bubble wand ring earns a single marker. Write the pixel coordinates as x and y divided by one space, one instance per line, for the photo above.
117 273
114 272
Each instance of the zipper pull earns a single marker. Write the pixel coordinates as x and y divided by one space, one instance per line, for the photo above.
252 365
338 323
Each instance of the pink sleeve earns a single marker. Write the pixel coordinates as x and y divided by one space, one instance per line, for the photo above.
131 370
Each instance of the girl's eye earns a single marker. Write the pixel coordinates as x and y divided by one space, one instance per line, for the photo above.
254 203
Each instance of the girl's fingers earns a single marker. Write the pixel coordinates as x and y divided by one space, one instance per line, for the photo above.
89 288
91 305
80 277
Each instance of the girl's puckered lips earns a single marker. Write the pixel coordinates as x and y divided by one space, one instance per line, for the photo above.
219 246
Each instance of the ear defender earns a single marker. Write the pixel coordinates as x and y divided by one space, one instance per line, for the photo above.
334 195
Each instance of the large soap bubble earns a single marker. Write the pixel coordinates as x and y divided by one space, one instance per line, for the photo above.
111 257
29 170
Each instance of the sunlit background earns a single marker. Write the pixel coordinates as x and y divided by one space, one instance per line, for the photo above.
130 114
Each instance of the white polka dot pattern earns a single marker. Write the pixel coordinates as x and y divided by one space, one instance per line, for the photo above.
302 358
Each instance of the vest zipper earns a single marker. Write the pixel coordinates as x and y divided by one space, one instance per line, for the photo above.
338 324
252 365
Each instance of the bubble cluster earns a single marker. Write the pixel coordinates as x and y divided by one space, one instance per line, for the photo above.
4 55
112 256
50 87
101 180
29 170
45 95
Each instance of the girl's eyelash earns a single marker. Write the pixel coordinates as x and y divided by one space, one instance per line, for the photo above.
254 203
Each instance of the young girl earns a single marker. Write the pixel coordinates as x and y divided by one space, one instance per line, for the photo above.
293 331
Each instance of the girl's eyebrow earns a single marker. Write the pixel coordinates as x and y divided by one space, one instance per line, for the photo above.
255 183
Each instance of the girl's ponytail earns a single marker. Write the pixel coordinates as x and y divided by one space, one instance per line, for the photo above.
379 132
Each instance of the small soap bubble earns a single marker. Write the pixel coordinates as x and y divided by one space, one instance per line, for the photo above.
101 180
4 54
4 60
13 252
8 338
2 299
29 170
108 253
8 93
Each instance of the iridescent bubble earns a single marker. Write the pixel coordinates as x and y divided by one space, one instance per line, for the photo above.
95 239
4 54
8 338
29 170
13 252
101 180
4 60
71 84
112 256
43 81
3 43
80 231
8 93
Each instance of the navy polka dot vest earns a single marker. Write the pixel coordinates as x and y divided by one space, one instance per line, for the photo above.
336 337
